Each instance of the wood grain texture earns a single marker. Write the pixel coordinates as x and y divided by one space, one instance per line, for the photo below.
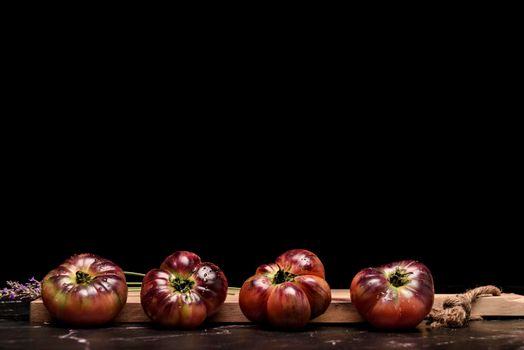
340 311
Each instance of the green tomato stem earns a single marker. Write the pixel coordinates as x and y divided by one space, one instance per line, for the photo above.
182 285
82 277
399 278
283 276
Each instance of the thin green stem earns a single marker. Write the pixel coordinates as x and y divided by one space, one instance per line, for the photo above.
134 283
234 290
131 273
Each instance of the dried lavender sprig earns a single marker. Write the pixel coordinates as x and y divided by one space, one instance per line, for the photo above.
18 291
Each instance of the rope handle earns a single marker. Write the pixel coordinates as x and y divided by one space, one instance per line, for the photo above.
456 310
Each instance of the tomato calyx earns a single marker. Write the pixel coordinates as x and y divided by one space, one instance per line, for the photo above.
399 278
283 276
82 277
182 285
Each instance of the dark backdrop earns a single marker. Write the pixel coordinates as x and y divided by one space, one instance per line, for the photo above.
404 154
457 218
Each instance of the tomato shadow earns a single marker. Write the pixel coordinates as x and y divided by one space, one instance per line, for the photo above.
369 328
54 323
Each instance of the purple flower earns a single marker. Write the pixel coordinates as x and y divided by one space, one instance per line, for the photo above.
18 291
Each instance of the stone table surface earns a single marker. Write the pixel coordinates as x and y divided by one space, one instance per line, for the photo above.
488 334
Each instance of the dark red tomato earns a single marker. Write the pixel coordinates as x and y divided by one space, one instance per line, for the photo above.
288 293
86 290
394 296
183 292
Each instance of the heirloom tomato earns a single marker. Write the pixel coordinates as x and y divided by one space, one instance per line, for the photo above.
85 290
394 296
183 292
288 293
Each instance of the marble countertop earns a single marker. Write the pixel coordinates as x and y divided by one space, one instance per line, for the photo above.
492 334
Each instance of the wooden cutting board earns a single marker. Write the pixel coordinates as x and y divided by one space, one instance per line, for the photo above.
340 311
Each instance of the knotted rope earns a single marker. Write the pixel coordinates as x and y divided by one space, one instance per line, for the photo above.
456 310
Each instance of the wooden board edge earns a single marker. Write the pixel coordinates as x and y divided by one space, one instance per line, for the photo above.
339 312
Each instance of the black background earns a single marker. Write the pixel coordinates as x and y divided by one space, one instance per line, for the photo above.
397 148
451 210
